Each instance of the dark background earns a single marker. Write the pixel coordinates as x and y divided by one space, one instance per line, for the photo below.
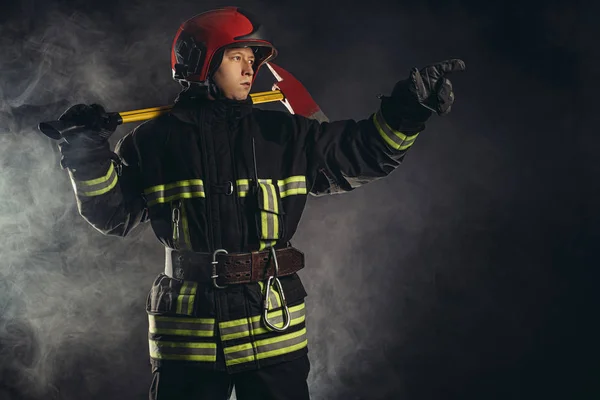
465 274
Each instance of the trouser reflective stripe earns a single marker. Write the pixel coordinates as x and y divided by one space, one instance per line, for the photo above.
199 327
185 299
98 186
190 351
173 191
266 348
392 137
292 185
240 328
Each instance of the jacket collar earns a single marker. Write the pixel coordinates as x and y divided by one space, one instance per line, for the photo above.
192 99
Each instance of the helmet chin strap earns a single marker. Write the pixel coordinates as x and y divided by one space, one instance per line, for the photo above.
214 90
202 89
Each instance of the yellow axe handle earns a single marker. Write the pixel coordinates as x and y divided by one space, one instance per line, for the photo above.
148 113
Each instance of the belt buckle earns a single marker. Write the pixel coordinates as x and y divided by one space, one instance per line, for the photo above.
214 263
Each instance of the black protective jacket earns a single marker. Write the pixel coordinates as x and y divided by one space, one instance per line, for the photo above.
191 172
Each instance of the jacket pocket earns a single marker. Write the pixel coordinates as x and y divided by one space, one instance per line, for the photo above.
171 296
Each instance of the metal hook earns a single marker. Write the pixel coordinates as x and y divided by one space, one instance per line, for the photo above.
286 311
214 263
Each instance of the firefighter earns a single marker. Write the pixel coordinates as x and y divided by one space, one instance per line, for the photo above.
223 186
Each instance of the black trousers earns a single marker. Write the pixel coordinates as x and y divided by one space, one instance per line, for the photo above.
285 381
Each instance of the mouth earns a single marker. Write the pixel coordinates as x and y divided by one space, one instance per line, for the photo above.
246 84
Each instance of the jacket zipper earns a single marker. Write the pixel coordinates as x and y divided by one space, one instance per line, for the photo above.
235 193
207 189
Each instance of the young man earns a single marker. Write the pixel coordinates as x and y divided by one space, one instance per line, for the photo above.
224 185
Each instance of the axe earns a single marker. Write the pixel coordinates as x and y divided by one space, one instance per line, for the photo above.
292 94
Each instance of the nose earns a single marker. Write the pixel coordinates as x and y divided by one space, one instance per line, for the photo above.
247 70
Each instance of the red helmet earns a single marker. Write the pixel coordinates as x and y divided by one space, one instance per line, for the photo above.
201 38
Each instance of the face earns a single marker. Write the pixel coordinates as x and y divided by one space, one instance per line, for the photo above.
234 76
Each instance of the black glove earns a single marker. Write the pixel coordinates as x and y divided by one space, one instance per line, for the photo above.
88 144
431 87
414 99
92 121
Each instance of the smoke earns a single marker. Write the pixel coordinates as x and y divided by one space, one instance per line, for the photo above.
440 281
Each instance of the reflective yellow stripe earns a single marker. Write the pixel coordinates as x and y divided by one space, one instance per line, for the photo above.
266 244
158 188
392 137
236 322
98 186
233 349
274 297
242 327
198 327
190 351
240 360
292 186
265 348
178 190
279 322
102 179
299 178
291 192
284 350
185 299
269 210
264 216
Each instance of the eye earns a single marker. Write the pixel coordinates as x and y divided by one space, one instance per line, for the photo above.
251 62
237 58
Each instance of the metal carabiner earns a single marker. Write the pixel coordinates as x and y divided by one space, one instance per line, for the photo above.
214 263
286 311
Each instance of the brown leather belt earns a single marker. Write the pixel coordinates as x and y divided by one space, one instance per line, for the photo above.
234 268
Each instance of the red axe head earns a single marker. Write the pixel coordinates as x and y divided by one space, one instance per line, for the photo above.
297 99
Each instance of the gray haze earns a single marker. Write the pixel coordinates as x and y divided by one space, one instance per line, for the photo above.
448 279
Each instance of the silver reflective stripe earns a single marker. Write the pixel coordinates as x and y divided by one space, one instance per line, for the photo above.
281 344
241 328
199 327
185 299
266 348
393 138
243 185
239 354
292 185
190 351
98 186
173 191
